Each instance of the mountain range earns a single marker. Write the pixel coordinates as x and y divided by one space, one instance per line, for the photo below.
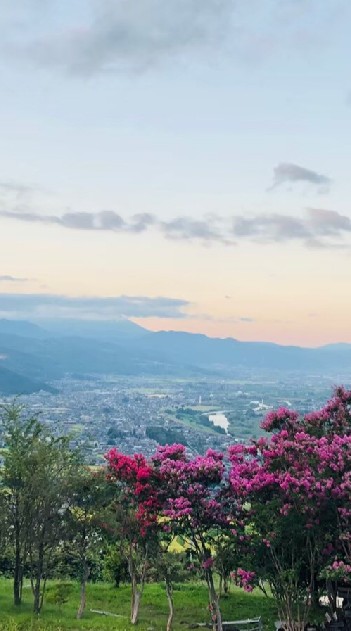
34 353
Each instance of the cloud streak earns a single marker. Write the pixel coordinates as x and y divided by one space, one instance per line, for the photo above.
52 305
312 229
180 228
287 173
317 228
7 278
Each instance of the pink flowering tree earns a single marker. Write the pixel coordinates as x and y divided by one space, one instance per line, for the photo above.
294 486
135 511
194 504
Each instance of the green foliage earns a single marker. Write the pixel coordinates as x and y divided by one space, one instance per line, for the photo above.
59 593
165 436
115 567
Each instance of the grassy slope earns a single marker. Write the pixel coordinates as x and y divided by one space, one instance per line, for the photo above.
190 607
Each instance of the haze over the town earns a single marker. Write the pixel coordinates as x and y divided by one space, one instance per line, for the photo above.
182 163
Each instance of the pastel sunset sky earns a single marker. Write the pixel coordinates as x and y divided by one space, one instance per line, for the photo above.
183 163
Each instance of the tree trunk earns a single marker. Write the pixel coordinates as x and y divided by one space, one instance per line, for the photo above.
135 607
169 592
137 590
215 611
37 585
83 594
17 580
36 604
82 599
17 569
226 584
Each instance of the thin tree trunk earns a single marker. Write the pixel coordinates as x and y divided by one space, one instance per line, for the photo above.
226 585
83 592
135 607
17 568
37 585
43 593
83 599
216 616
36 604
169 592
137 592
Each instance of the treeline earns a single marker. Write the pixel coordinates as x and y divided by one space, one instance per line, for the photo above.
63 519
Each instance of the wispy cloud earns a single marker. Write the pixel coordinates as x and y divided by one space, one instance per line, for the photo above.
311 229
7 278
16 188
114 35
185 228
181 228
315 228
287 173
273 227
52 305
107 36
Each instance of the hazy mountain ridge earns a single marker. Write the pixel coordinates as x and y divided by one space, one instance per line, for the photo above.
39 354
12 383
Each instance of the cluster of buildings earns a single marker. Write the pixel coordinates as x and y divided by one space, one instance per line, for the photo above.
136 414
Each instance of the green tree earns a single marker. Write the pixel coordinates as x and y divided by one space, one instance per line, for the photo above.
83 522
20 435
50 490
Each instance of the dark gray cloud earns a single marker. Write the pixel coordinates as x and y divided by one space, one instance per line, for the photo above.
7 278
288 173
104 307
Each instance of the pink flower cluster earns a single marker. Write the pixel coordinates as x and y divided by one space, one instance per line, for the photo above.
244 579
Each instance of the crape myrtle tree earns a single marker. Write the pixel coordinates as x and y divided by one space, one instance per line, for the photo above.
295 490
193 503
172 495
135 518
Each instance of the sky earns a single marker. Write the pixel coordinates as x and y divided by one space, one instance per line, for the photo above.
185 164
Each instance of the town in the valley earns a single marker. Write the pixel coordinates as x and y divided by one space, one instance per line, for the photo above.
136 415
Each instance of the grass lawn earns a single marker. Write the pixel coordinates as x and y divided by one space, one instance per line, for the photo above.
190 606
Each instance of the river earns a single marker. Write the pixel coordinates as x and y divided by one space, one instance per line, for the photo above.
219 419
